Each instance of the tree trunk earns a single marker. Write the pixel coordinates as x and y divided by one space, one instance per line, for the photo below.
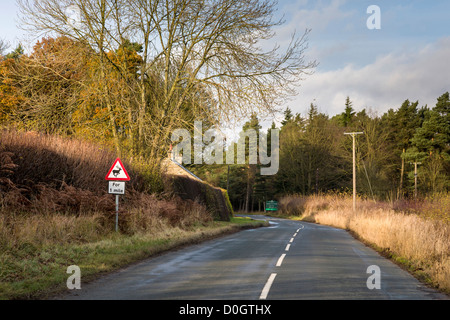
247 198
400 187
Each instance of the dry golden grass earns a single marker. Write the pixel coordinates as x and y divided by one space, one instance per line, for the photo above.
55 211
421 240
45 229
150 216
52 189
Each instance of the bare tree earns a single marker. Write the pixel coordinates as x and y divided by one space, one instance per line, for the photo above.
212 47
3 46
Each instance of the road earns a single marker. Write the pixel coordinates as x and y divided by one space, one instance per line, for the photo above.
287 261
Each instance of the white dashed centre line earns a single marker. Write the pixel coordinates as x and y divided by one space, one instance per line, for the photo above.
280 261
267 287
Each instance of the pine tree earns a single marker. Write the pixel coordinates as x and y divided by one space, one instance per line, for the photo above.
287 116
16 53
253 124
430 146
345 119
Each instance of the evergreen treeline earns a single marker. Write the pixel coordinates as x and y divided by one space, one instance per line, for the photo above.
316 156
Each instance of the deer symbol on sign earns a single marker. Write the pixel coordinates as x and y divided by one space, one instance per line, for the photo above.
117 172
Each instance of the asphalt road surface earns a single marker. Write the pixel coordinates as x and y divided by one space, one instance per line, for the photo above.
287 261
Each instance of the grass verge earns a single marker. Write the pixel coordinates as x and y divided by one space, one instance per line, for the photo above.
415 236
38 271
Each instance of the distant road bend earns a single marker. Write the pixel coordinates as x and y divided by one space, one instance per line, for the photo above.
289 260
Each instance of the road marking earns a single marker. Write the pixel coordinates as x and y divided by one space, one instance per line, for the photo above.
267 287
269 282
280 261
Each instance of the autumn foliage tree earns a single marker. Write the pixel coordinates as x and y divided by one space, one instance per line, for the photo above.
10 97
158 65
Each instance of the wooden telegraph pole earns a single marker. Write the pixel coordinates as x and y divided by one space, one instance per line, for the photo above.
353 134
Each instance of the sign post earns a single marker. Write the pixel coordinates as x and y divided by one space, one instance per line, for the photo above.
117 213
117 176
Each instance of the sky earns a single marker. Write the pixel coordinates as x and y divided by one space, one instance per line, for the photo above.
407 58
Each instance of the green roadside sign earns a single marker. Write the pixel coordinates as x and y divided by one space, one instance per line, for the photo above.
272 205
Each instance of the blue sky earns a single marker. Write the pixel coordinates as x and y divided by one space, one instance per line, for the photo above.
340 34
408 58
8 15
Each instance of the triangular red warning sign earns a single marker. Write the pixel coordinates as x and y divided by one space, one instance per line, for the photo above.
117 172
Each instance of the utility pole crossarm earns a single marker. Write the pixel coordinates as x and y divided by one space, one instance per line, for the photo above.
354 134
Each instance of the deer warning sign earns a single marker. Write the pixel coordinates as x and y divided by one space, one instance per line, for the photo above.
117 172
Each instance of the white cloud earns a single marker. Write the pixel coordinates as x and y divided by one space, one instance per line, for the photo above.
383 84
319 17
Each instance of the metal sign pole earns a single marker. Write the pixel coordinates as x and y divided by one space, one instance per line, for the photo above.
117 213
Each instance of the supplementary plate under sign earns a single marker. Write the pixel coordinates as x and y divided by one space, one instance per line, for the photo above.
117 172
116 187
